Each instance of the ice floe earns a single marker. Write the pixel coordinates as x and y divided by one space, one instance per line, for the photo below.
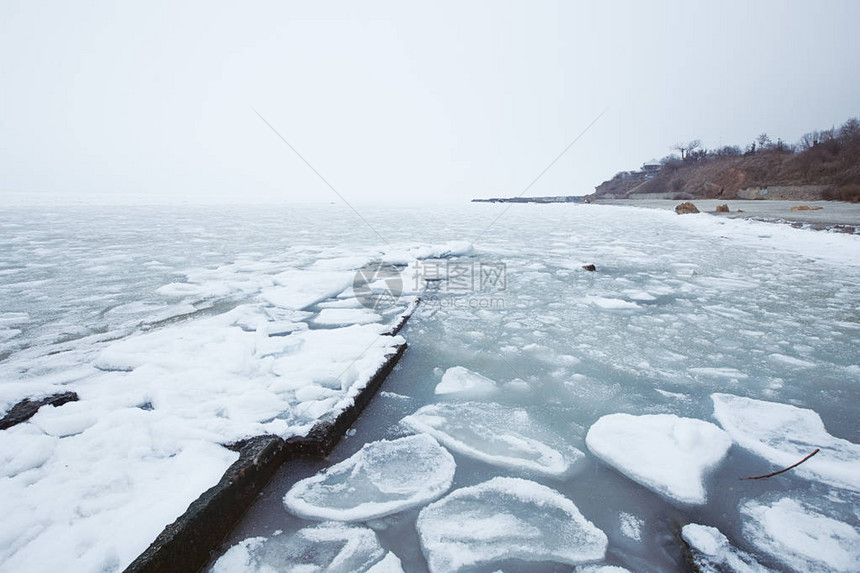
663 452
389 564
712 553
342 316
496 434
506 518
784 434
464 382
327 547
300 289
382 478
801 536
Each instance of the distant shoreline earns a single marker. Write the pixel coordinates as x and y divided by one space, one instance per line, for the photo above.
838 216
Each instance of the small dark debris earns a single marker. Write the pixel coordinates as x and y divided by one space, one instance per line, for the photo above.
589 268
26 409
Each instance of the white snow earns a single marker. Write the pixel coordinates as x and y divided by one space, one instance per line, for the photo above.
712 552
663 452
382 478
801 537
327 547
464 382
506 518
300 289
343 316
784 434
496 434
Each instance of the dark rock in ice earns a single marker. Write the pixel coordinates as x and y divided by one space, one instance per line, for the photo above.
724 208
686 208
590 267
26 409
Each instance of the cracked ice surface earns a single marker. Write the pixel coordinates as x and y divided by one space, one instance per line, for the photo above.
506 518
384 477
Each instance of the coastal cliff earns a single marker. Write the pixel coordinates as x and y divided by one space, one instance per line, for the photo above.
824 165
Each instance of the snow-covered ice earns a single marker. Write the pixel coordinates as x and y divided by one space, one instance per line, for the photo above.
327 547
506 518
464 383
665 453
801 537
389 564
712 552
341 316
382 478
496 434
784 434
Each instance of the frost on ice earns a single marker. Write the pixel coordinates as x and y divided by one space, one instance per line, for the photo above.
663 452
496 434
785 434
464 382
712 552
327 547
382 478
506 518
801 537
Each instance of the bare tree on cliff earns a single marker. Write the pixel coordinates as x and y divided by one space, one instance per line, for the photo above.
686 148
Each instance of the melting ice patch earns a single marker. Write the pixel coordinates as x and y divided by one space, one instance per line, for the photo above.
382 478
784 434
461 381
329 547
631 526
496 434
712 552
665 453
506 518
801 537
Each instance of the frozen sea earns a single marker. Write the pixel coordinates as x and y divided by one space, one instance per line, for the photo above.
587 416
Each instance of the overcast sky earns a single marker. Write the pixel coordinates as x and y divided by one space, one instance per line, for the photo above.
395 101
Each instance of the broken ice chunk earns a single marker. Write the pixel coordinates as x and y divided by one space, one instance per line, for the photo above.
784 434
506 518
712 552
663 452
497 435
329 547
801 537
390 564
459 380
382 478
342 316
